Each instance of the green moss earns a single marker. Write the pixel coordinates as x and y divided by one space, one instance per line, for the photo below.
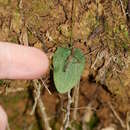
125 46
13 100
14 39
77 125
93 122
4 2
39 7
1 82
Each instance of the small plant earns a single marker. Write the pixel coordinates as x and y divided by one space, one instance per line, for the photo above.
67 71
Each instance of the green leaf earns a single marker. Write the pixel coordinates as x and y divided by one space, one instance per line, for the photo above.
66 78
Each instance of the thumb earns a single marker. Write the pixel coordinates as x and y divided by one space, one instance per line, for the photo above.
21 62
3 119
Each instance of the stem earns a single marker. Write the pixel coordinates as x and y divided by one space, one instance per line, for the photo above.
43 114
76 99
38 102
72 22
67 116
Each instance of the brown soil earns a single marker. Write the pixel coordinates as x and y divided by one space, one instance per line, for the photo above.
100 29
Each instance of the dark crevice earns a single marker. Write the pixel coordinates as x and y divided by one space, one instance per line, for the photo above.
91 78
128 16
106 89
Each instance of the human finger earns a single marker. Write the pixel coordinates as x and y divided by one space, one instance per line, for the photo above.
3 119
21 62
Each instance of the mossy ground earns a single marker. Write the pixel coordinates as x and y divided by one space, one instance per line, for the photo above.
99 29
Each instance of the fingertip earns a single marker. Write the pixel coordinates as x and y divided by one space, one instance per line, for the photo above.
22 62
42 65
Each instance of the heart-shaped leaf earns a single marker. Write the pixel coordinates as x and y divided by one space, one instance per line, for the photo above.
67 73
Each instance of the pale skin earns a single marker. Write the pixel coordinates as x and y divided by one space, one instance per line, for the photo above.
20 62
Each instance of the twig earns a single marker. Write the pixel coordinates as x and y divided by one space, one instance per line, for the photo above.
72 21
100 55
122 7
76 100
10 90
116 115
44 115
20 5
23 38
67 116
38 101
82 108
46 87
37 88
128 121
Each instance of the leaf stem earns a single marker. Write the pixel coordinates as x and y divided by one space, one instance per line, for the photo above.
72 23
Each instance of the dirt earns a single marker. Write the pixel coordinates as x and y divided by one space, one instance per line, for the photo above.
100 30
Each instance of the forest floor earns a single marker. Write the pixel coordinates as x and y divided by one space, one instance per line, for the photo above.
101 30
